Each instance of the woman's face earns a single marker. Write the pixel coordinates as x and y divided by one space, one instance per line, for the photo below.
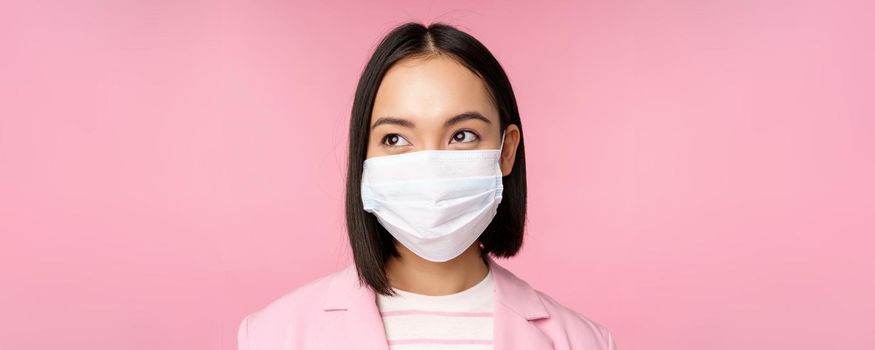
436 103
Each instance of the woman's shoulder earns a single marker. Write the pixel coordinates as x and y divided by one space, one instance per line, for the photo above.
566 327
576 324
304 295
295 308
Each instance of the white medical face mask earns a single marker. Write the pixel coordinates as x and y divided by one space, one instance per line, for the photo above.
435 202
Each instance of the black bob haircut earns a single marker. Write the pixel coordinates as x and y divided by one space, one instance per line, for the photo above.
371 244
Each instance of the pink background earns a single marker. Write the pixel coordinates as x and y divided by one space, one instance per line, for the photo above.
701 172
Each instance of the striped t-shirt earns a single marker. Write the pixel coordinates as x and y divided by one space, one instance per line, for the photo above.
460 321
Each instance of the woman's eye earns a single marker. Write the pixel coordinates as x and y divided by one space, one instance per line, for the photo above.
394 140
465 136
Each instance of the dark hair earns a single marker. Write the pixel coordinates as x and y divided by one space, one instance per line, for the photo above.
371 244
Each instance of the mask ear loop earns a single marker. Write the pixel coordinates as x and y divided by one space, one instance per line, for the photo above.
501 149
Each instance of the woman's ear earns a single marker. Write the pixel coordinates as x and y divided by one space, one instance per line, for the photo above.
508 152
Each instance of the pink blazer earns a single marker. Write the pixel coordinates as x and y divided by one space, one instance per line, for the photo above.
335 312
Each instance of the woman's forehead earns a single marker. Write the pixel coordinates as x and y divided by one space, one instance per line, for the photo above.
432 89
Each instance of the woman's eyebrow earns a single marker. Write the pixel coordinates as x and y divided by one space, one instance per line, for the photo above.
392 120
466 116
409 124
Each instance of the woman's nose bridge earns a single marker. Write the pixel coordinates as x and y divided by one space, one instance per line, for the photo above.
432 143
432 140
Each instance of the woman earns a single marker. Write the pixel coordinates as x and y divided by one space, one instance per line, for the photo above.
436 183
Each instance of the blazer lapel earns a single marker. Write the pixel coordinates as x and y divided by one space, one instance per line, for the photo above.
516 305
356 321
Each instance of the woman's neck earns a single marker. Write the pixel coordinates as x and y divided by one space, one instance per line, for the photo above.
411 273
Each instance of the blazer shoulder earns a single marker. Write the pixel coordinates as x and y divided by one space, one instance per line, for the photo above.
579 328
292 311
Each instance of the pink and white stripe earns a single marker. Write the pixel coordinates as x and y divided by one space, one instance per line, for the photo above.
460 321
